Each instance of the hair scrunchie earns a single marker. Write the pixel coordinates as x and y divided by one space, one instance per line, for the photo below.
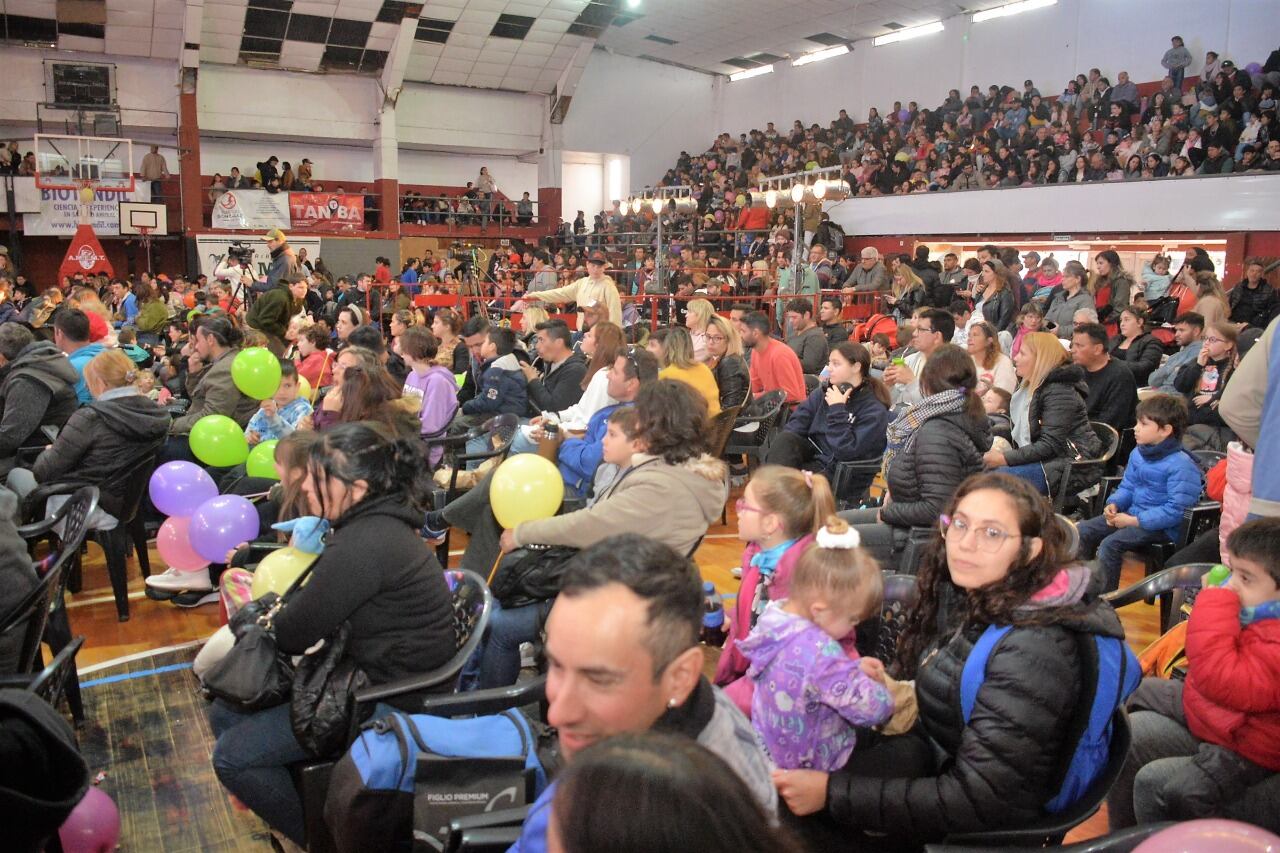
845 541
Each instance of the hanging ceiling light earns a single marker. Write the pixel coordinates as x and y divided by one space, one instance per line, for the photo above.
819 55
908 33
797 192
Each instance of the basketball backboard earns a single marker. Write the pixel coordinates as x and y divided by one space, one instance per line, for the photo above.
140 217
71 162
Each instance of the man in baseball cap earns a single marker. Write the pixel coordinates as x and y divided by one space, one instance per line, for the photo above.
284 262
594 287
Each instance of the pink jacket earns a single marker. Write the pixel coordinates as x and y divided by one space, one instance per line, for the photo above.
1235 501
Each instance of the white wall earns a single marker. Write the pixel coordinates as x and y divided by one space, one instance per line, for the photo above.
1048 45
328 162
1173 204
454 118
645 110
454 170
146 89
254 103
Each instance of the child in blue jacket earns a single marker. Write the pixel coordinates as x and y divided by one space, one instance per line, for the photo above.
503 388
1160 483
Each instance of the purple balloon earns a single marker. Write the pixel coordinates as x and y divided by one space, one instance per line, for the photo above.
220 524
1220 836
179 488
1253 68
93 825
903 115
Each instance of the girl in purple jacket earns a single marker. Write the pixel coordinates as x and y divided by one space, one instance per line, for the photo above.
435 385
809 691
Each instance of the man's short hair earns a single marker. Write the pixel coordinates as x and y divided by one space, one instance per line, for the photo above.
666 581
1190 318
757 320
14 337
1165 410
833 301
942 321
367 337
639 364
504 339
556 330
800 306
73 323
475 325
741 306
1096 331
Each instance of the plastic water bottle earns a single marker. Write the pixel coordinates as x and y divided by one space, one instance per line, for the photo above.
713 633
1217 576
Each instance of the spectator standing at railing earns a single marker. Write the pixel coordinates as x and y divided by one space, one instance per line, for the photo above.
1176 60
237 181
303 180
595 287
486 186
268 171
155 170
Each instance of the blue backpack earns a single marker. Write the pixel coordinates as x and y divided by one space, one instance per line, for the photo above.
407 775
1111 673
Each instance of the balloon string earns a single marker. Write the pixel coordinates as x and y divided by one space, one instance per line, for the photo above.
494 570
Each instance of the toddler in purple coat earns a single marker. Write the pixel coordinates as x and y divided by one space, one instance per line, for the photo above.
809 694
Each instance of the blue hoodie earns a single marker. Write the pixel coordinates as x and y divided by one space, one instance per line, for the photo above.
78 360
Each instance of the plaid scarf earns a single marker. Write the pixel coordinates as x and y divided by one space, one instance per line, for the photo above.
903 430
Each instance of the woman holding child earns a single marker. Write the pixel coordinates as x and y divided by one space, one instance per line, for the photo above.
1000 559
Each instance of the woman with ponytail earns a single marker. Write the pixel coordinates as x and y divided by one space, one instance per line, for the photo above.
368 487
778 514
999 558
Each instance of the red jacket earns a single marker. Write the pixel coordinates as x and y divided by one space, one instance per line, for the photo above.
1232 695
753 219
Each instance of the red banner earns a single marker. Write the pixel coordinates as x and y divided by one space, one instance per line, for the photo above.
85 255
334 211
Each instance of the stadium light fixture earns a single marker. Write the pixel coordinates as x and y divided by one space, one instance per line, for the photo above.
1011 9
908 33
797 192
819 55
771 198
750 72
656 205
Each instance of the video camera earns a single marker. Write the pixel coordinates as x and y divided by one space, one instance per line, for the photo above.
459 251
240 253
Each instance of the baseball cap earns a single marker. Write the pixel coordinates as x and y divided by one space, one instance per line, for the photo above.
274 234
597 257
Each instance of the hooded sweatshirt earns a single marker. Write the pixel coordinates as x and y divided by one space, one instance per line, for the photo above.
42 775
102 440
38 390
437 389
809 692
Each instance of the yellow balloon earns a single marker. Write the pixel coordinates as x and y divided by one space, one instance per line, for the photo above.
525 488
304 388
279 569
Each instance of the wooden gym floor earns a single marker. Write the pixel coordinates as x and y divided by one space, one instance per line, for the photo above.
146 730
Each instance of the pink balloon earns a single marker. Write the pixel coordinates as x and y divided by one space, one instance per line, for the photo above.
1220 836
93 825
174 544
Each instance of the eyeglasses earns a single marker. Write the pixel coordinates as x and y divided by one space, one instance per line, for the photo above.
741 506
1216 340
989 539
716 339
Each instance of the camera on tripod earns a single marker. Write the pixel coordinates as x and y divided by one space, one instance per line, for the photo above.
459 251
239 252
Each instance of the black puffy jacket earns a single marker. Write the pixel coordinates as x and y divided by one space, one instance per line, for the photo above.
1142 356
101 441
922 478
734 381
1059 426
1006 763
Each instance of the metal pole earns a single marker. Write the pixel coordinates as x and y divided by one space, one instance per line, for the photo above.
657 270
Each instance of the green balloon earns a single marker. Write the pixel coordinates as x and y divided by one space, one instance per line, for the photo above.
218 441
256 372
461 378
262 461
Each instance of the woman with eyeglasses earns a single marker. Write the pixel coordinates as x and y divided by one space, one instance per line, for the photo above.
1000 559
724 357
1203 382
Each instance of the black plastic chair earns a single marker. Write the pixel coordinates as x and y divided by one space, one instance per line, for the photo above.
53 683
72 519
878 636
1050 830
851 482
501 427
1170 586
472 606
29 617
1110 441
115 543
766 413
1124 841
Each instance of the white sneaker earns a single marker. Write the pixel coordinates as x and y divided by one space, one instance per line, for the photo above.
173 580
736 571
